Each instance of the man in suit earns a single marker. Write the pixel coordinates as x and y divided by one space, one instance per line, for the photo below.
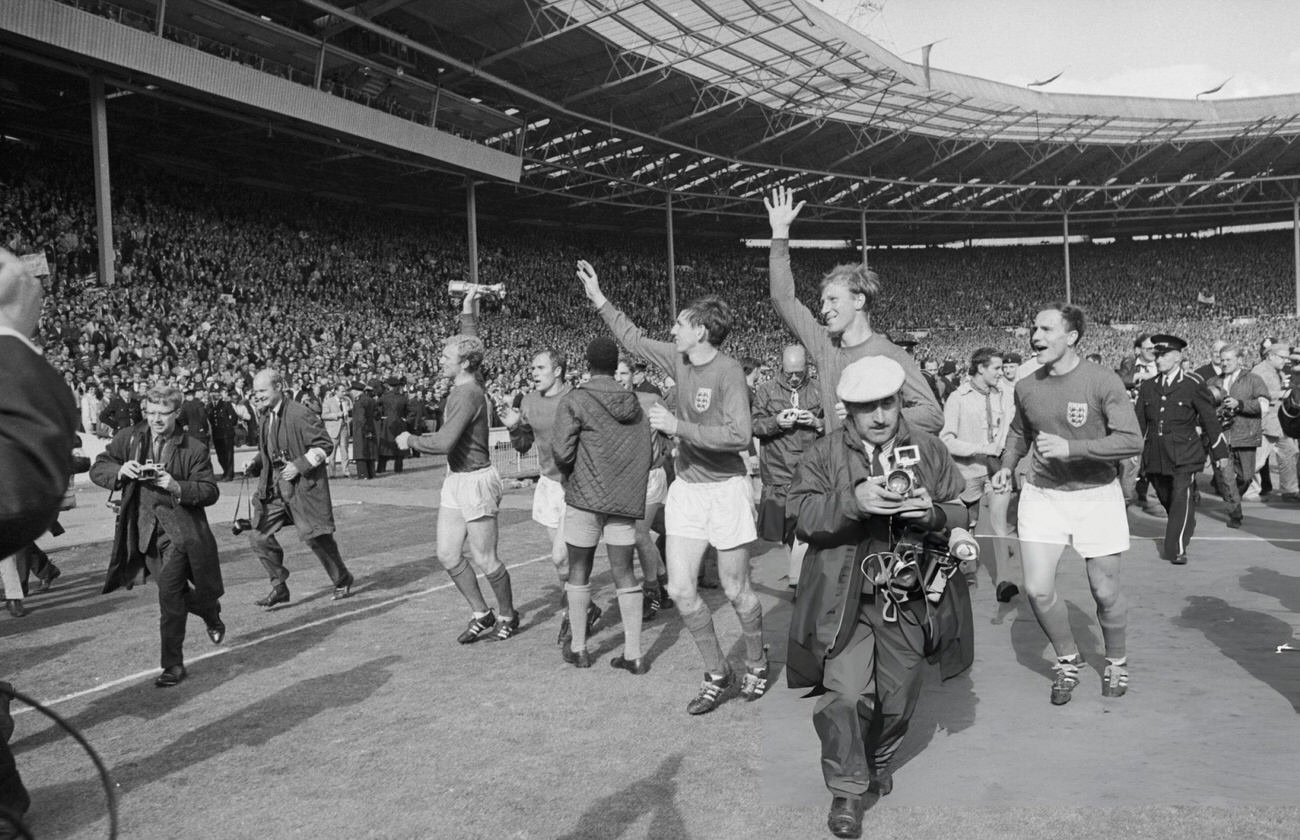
293 488
1169 408
165 476
223 420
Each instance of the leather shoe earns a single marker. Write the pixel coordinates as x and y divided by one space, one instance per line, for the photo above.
1180 560
882 785
845 818
636 666
1234 522
48 580
16 607
170 676
216 631
279 594
343 588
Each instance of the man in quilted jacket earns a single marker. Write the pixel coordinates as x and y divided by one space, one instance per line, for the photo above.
601 444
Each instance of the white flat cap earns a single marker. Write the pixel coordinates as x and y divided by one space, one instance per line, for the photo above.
869 379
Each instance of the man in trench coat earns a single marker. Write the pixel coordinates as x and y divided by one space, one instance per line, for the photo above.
843 643
293 488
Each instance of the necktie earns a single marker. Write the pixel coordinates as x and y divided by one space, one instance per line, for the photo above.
988 413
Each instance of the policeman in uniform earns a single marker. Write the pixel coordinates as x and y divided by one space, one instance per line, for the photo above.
1170 407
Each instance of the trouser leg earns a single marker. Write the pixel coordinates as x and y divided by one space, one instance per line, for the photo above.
169 566
1243 462
844 713
326 550
1225 482
274 516
898 685
1182 513
1286 464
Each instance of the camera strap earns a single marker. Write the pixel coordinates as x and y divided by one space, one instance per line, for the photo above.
243 482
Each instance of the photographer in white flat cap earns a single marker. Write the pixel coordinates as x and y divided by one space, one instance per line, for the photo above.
864 499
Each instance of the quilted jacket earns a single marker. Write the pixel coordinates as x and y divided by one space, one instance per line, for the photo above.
601 441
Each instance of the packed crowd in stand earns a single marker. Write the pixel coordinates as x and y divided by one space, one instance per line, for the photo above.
216 280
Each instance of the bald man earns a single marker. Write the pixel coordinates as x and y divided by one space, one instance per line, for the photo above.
294 487
37 429
787 418
36 414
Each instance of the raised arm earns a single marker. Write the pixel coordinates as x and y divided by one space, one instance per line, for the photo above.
781 213
662 353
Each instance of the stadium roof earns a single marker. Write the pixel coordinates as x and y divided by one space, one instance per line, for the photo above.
616 105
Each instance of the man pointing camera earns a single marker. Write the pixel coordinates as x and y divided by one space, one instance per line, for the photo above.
166 481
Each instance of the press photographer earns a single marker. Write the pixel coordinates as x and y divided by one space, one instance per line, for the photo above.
864 499
1242 398
165 480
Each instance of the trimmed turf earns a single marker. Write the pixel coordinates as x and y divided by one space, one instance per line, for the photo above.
364 718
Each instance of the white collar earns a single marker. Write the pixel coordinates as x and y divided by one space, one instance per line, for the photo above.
24 339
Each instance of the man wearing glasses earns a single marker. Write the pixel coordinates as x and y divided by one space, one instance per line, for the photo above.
165 477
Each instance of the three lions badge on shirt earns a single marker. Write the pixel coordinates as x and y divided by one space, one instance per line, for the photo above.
1077 414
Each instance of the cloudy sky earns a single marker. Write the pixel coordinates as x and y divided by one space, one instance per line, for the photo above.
1161 48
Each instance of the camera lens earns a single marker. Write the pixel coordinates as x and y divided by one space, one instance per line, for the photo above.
900 482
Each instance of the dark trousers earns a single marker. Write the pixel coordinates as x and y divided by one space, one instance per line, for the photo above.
275 515
871 691
365 468
1175 494
30 560
14 799
397 462
225 447
173 572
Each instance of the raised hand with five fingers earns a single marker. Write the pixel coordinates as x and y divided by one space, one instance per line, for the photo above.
781 211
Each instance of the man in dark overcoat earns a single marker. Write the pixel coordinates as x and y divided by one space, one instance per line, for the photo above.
1169 408
364 413
37 433
293 488
854 637
165 478
395 408
223 421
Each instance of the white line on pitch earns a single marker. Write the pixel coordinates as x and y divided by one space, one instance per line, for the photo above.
222 651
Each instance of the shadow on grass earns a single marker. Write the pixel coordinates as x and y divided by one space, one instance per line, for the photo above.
61 809
1028 639
1248 638
1285 588
612 816
144 703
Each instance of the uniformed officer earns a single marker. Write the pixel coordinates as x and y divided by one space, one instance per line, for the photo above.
1170 407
